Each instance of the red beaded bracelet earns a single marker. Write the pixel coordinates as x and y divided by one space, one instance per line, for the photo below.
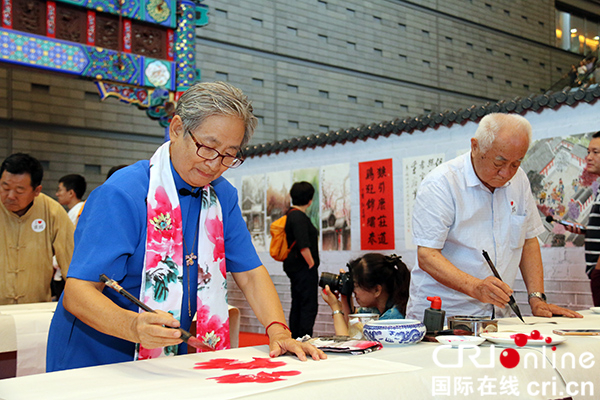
275 322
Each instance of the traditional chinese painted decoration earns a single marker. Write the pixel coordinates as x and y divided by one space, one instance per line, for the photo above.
92 62
31 50
158 10
161 106
104 40
185 46
127 94
376 205
157 74
201 14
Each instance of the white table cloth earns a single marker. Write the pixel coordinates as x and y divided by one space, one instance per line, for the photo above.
24 330
409 372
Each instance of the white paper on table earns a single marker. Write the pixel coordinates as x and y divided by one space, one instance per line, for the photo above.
175 377
31 328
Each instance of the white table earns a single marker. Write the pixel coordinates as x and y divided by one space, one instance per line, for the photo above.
23 337
24 334
407 372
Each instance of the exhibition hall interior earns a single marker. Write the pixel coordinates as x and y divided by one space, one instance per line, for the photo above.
391 198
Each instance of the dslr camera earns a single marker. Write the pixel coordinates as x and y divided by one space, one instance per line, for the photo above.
342 283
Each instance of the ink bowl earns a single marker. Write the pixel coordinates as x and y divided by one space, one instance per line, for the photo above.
394 331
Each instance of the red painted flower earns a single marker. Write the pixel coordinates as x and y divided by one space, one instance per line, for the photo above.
211 330
163 222
164 230
214 229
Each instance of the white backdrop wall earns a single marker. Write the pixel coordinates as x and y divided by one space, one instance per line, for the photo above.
566 282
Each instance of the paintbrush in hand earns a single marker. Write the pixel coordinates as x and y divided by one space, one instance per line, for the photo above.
185 335
511 302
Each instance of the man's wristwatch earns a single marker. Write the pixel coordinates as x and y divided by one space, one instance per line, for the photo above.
538 295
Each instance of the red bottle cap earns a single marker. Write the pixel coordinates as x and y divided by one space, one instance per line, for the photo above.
436 302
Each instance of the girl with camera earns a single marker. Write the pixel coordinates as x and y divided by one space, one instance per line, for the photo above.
381 285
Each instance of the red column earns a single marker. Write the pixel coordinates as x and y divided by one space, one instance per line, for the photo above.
51 19
170 44
90 34
127 34
7 14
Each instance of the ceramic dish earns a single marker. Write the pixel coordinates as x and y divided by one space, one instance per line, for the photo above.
456 341
595 309
394 331
509 338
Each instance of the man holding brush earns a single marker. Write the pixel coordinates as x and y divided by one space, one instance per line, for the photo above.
480 201
168 230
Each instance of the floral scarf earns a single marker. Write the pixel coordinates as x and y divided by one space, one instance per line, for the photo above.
162 280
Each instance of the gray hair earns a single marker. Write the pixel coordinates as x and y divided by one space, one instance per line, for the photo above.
491 124
207 99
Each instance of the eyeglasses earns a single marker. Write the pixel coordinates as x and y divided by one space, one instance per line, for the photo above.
208 153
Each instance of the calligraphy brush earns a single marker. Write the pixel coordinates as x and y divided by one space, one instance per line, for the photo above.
512 303
185 335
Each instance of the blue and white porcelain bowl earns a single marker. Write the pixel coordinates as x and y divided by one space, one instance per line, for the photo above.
395 331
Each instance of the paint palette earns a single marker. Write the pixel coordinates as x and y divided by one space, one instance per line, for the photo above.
513 338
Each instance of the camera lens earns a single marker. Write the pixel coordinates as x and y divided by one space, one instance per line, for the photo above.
327 278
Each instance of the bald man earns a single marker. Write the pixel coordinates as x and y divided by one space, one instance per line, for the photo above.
480 201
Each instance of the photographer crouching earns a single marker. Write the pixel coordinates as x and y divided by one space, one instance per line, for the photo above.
380 284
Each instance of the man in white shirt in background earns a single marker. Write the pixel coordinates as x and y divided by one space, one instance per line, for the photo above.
71 189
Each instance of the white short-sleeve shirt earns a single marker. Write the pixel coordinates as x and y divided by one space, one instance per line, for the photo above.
456 213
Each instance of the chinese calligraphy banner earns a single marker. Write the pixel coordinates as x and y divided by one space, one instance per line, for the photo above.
376 205
415 169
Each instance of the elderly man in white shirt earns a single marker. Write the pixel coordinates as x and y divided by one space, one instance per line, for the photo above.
479 201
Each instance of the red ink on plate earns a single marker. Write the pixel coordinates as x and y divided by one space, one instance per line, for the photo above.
521 338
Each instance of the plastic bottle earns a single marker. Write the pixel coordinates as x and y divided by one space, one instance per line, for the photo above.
434 316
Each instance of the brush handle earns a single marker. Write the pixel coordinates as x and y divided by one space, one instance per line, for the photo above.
511 300
185 335
489 261
114 285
